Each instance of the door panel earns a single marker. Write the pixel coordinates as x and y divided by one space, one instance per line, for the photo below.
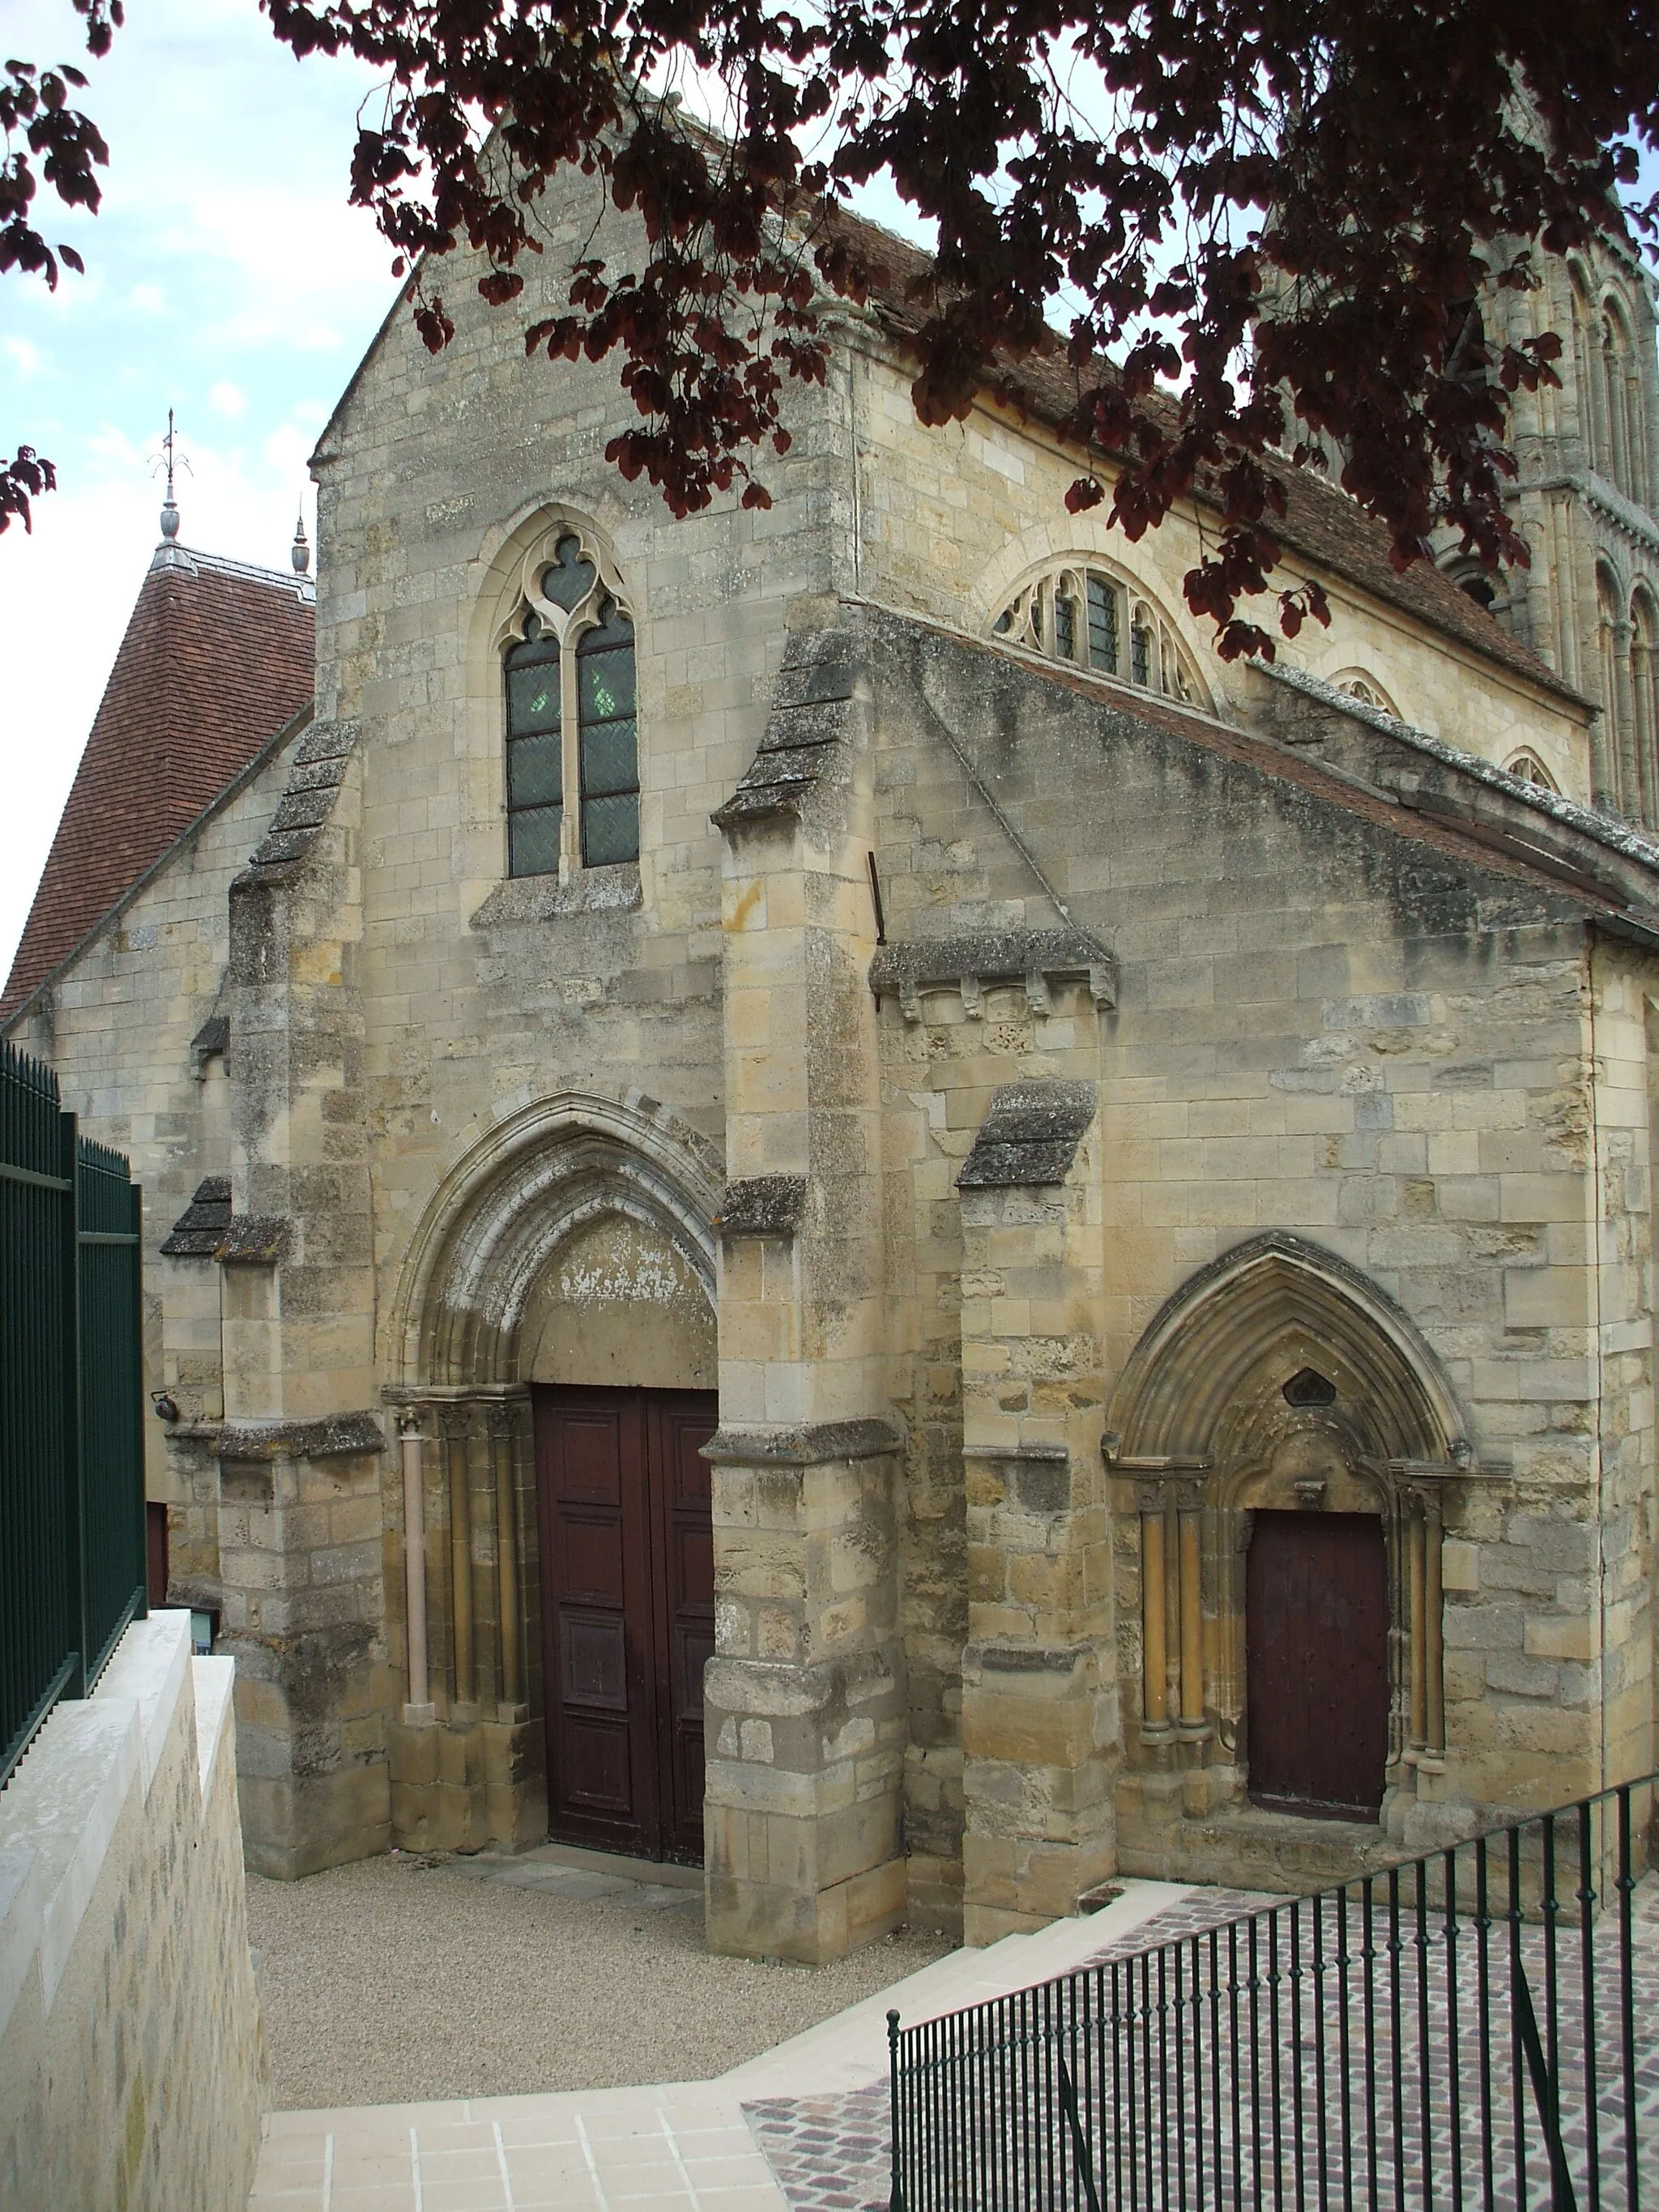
596 1583
682 1423
627 1625
1316 1651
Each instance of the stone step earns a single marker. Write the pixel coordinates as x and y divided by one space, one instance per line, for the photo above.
850 2051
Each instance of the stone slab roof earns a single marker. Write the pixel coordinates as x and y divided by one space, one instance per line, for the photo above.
1030 1137
218 656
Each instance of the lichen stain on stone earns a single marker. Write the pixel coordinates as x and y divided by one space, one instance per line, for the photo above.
619 1304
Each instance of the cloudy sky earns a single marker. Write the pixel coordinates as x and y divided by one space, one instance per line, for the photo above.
225 277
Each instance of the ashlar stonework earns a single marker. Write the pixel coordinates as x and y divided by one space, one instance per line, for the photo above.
812 1306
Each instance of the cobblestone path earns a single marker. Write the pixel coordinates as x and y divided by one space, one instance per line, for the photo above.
1302 2027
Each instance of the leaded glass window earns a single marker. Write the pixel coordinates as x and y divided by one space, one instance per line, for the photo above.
1102 625
572 731
535 763
1098 621
610 749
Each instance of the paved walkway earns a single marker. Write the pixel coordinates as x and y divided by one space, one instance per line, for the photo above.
804 2128
686 2147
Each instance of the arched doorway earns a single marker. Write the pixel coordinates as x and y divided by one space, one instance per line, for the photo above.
1290 1449
617 1345
555 1334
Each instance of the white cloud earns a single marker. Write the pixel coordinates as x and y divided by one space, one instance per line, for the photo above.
148 299
24 356
226 399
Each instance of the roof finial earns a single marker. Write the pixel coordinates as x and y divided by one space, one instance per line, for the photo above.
299 552
169 554
169 511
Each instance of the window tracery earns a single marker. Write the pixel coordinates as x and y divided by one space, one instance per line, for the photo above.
1526 768
1087 614
1368 691
569 677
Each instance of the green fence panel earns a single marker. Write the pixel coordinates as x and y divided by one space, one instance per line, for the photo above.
109 1226
72 1398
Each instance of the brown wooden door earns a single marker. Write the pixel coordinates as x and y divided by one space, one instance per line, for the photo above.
627 1613
1316 1651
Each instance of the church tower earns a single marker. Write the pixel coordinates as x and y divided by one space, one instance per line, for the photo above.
1587 501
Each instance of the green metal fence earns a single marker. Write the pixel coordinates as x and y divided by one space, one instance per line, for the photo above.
71 1404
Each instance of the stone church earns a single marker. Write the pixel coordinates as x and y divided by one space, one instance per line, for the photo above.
820 1200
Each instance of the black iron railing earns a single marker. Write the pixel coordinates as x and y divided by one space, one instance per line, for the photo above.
71 1404
1477 2028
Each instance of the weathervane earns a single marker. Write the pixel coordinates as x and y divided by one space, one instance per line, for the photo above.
169 457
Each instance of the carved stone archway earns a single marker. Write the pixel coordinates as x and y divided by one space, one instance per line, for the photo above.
1278 1378
547 1179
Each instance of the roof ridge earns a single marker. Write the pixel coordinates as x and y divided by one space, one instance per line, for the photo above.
302 587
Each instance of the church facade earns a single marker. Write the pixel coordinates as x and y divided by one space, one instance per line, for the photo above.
819 1198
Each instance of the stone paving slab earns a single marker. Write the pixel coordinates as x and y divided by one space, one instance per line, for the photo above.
619 2150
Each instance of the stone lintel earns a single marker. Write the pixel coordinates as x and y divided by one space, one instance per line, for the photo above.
1030 1137
812 1443
452 1394
337 1436
1017 1451
763 1206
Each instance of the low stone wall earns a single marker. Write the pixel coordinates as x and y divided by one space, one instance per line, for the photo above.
132 2066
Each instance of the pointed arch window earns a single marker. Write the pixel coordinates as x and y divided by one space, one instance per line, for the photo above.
573 780
1100 621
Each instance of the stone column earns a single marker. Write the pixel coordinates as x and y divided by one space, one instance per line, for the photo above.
306 1470
1040 1721
805 1698
1622 707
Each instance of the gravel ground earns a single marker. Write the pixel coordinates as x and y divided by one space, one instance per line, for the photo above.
401 1979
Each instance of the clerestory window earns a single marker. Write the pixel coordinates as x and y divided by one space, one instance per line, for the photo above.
572 733
1098 621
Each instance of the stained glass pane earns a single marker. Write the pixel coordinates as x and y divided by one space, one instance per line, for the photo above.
534 841
532 698
609 759
570 579
613 628
1102 625
605 681
1140 655
1065 626
535 771
610 829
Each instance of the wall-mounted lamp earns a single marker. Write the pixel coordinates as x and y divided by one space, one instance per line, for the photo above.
166 1406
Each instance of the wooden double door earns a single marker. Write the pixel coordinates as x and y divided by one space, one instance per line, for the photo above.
1316 1660
627 1614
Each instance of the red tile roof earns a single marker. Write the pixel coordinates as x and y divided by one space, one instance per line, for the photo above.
218 656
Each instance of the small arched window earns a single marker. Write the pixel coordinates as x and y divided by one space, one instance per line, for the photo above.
571 726
1099 621
1368 691
1526 768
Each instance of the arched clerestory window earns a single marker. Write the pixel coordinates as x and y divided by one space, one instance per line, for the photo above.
1526 768
1083 612
573 782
